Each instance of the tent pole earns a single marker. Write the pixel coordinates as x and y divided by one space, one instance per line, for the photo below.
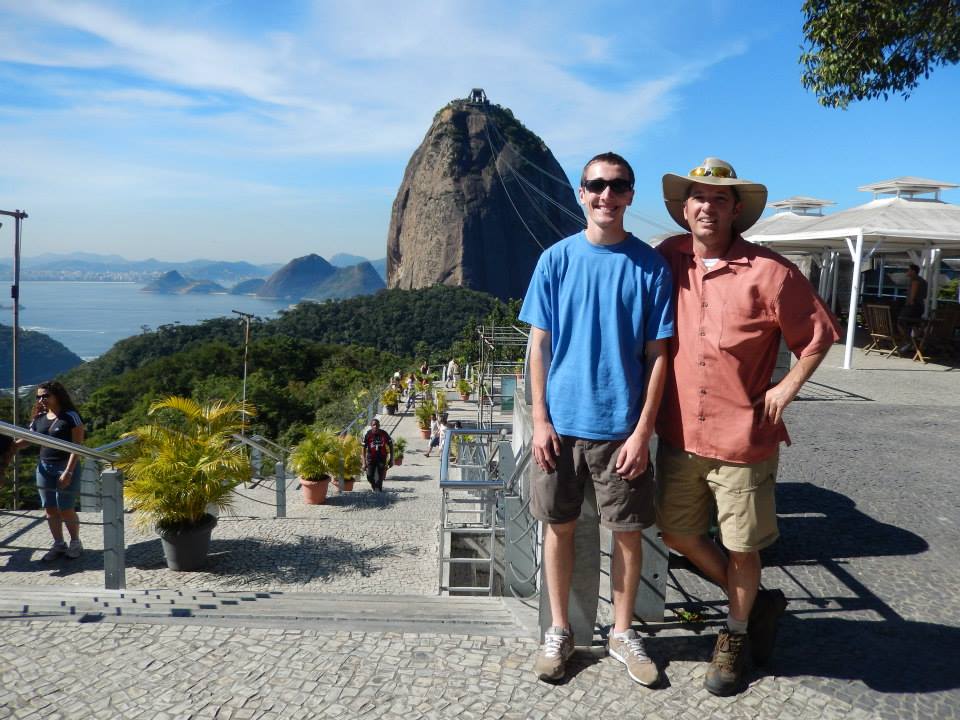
857 254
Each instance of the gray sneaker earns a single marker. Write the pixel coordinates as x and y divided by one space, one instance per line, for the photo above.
629 649
58 549
74 549
551 662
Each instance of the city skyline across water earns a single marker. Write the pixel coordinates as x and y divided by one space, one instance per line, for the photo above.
90 317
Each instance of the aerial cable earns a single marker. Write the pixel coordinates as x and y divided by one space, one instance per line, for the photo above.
578 219
564 181
560 206
507 192
546 218
536 167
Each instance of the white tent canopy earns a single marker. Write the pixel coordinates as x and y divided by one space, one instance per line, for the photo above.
921 227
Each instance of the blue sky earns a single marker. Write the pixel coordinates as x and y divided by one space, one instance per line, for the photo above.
265 131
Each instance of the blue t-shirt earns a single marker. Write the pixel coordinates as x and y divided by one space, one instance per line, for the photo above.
600 304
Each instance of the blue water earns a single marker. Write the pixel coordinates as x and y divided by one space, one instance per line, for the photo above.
89 317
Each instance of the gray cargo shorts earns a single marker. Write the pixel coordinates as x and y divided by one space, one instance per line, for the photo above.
623 505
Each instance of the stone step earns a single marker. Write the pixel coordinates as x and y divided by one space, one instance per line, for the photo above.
501 617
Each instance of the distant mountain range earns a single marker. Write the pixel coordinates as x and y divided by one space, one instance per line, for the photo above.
96 267
306 278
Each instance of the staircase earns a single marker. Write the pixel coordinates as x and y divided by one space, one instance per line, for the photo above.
489 616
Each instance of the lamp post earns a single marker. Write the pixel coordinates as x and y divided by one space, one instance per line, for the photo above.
247 317
18 217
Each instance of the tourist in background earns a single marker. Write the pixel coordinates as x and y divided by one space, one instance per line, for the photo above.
377 454
721 421
58 472
911 314
599 307
453 371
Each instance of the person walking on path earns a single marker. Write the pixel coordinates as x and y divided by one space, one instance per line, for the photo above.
721 421
911 314
58 477
600 309
377 454
437 434
453 374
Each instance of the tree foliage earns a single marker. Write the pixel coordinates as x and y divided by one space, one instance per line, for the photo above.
864 49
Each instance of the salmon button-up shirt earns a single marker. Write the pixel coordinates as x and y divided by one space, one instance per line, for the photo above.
729 321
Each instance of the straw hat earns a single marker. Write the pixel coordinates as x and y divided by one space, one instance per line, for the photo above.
714 171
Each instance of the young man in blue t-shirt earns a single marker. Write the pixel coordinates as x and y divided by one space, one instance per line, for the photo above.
600 310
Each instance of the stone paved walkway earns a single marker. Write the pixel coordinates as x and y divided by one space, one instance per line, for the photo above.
870 524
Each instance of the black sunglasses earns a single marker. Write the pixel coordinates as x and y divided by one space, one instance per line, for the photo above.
43 397
617 185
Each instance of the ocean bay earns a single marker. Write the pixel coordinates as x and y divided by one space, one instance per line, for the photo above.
89 317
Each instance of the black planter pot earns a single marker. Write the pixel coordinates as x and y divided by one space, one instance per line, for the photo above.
186 548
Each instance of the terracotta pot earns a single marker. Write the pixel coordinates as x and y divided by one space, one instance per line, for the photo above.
346 485
398 461
465 396
314 491
425 433
391 409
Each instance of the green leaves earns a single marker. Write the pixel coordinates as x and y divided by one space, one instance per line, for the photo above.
864 49
183 461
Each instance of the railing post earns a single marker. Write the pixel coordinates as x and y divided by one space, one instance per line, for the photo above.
90 500
114 550
281 488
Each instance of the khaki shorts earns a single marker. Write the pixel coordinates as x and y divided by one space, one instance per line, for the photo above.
690 486
623 505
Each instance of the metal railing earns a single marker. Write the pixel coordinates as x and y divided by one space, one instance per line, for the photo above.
469 505
110 492
278 453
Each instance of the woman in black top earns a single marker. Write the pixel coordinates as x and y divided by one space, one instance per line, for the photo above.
58 477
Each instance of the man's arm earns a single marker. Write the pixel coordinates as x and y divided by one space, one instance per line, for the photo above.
776 399
634 455
546 442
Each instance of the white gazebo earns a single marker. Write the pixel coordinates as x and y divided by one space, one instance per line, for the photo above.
906 216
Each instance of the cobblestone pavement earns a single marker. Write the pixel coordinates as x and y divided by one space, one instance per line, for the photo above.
870 523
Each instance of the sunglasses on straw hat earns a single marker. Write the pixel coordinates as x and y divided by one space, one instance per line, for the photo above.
713 171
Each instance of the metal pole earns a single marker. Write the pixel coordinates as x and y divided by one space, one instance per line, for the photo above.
18 217
246 346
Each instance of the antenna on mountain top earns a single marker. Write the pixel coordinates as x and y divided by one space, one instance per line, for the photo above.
478 97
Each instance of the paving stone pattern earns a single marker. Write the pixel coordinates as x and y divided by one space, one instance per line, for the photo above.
870 524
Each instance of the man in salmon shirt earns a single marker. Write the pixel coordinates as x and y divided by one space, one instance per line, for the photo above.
720 424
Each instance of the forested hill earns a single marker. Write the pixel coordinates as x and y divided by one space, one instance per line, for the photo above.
41 357
405 322
303 367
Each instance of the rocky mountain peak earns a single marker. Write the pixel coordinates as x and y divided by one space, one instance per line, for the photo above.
480 199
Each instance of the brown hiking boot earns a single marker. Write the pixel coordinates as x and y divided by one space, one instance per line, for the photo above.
762 626
726 669
629 649
551 662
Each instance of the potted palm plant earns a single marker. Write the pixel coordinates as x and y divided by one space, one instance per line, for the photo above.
351 462
316 460
180 464
463 387
399 446
424 413
390 399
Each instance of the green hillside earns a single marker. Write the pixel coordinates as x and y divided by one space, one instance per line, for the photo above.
306 366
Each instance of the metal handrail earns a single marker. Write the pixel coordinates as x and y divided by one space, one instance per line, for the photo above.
117 443
269 452
19 433
445 455
271 443
114 547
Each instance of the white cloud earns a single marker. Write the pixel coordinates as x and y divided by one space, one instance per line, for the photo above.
362 78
